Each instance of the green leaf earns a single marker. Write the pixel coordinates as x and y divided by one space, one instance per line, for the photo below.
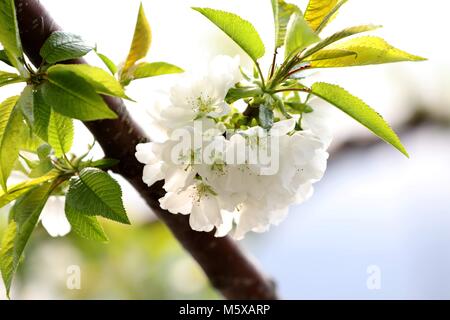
74 97
359 111
60 133
338 36
317 11
9 78
99 79
63 46
141 43
44 151
45 165
24 217
298 107
102 163
294 85
4 58
280 106
94 192
29 163
146 70
31 141
19 167
8 264
42 168
239 30
265 117
41 114
25 103
369 50
330 16
108 63
235 94
85 226
328 55
12 130
9 35
282 13
38 167
21 188
299 35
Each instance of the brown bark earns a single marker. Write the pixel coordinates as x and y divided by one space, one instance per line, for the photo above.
228 269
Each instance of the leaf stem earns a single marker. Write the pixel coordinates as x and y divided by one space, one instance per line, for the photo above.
307 66
284 68
293 89
28 67
274 61
69 163
261 75
307 90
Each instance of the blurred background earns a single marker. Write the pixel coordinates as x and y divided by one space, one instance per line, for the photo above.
378 226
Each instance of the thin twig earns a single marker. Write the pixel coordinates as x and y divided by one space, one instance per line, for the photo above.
293 89
274 61
305 67
261 75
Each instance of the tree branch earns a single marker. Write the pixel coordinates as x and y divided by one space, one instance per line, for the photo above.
226 266
418 119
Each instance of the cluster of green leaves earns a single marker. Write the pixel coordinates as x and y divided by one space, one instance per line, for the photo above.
37 132
280 93
133 69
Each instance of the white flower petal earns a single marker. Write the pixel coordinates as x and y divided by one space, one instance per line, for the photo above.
226 67
178 178
152 173
283 127
145 154
221 109
205 214
178 202
227 224
53 217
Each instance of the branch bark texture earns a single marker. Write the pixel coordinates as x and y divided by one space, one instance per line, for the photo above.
228 269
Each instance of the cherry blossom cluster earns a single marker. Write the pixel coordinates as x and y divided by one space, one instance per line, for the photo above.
233 180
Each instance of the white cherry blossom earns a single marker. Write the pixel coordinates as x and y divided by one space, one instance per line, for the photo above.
233 182
200 95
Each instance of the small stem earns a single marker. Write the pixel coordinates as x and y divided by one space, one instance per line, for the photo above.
28 67
308 97
41 65
68 162
307 66
58 181
57 166
274 61
261 75
285 67
293 89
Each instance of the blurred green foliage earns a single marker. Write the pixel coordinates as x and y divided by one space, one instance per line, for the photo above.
139 262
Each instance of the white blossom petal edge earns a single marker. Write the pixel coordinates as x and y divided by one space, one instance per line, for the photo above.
53 217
